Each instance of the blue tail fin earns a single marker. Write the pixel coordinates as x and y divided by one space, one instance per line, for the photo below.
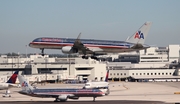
13 78
107 74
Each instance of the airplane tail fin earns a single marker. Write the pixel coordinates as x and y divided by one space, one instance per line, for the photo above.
140 35
13 78
24 84
107 74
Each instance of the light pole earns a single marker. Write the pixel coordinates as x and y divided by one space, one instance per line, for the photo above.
12 63
62 70
46 67
69 63
26 53
18 60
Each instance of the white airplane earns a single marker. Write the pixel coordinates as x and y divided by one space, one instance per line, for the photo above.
94 47
60 94
10 83
102 85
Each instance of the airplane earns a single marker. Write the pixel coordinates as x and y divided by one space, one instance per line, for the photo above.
10 83
60 94
102 85
94 47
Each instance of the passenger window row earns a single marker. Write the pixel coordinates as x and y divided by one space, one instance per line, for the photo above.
152 73
118 74
122 74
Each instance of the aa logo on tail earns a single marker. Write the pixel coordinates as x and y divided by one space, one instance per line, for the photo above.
24 84
139 35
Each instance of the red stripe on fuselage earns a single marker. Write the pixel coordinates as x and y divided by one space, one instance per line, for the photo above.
74 93
66 44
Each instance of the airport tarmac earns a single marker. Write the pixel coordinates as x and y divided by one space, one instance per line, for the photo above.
120 92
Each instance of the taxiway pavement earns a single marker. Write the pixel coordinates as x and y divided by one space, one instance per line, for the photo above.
120 92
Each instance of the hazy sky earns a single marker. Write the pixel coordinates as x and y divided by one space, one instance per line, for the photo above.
21 21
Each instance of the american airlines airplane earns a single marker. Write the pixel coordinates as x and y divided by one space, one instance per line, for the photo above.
60 94
94 47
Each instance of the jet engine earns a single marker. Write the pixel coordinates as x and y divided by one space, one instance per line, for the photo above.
62 97
75 98
69 49
4 86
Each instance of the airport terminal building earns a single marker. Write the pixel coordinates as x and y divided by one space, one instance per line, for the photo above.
152 64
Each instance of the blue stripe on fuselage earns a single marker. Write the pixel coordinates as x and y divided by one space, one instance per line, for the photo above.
84 41
65 90
76 92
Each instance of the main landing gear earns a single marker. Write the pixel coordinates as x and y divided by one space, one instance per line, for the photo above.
42 51
57 100
60 100
92 57
94 99
7 93
85 57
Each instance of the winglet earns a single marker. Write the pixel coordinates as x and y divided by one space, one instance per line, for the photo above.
77 40
13 78
79 36
140 35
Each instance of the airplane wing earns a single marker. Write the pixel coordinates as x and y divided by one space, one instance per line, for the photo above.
80 46
55 94
13 85
83 49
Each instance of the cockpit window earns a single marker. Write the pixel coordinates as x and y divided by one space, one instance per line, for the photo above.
37 40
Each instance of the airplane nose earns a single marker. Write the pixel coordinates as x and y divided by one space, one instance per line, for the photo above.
30 44
102 93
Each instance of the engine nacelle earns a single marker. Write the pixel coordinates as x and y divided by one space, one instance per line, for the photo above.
74 98
69 49
62 97
4 86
